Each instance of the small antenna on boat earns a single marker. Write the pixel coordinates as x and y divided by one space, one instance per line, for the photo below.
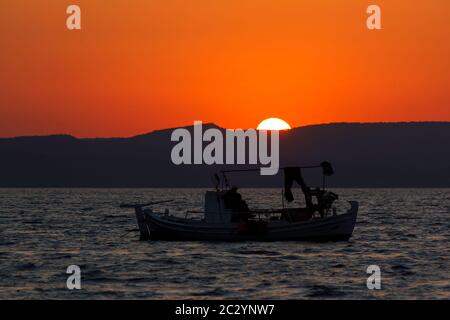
216 181
327 170
225 183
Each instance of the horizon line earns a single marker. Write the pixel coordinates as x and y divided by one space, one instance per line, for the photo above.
216 125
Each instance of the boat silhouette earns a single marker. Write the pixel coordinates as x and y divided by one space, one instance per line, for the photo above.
226 216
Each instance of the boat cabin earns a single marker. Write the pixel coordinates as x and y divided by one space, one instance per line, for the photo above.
215 209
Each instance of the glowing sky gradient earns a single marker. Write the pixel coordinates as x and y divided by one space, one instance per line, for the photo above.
140 65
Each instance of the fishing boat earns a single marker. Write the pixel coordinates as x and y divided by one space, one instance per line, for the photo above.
227 217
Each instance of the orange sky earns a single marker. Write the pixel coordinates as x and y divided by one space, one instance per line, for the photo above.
140 65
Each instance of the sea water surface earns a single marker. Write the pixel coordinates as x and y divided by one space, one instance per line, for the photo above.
406 232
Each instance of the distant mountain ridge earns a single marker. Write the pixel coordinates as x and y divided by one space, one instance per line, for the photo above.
404 154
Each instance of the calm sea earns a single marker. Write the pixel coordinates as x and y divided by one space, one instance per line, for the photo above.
406 232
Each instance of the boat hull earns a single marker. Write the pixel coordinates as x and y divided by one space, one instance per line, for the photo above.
154 226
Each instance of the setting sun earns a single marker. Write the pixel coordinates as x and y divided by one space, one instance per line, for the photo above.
273 124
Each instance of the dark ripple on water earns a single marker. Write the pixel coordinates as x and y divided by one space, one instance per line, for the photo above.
43 231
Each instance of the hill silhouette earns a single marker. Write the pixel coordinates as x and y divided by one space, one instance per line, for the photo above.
410 154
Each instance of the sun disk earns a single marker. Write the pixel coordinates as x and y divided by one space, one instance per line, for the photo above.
273 124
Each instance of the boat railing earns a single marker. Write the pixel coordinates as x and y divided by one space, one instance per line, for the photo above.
267 213
258 212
